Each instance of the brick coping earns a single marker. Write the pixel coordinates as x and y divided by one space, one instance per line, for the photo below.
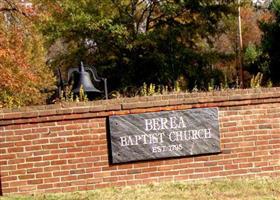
226 98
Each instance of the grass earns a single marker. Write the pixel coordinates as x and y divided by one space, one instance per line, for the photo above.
258 189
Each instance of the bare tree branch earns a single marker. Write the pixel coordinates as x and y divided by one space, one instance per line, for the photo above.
12 7
149 16
142 16
7 9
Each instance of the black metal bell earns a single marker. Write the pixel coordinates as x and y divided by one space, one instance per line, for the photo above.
84 80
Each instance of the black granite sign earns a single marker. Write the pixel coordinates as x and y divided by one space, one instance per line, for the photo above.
165 134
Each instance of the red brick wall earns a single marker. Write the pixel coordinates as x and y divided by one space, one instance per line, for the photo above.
62 148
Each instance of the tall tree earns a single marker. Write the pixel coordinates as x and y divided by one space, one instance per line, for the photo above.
270 43
251 37
136 41
24 74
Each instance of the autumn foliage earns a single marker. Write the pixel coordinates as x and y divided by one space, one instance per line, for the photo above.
24 75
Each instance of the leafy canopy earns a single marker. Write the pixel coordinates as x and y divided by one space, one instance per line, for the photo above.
270 43
136 41
24 74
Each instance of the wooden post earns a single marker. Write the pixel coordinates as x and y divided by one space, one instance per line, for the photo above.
240 49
